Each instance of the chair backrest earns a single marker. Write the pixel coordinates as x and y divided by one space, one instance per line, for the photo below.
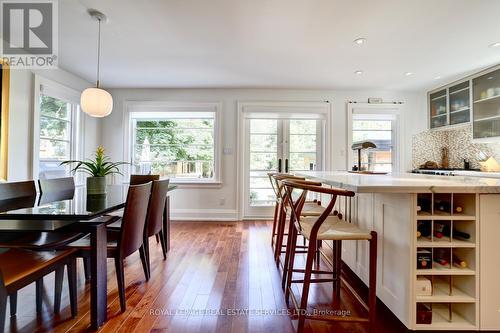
17 195
156 207
53 185
9 191
134 219
142 179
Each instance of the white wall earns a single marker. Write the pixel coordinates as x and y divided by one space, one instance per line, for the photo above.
204 203
21 119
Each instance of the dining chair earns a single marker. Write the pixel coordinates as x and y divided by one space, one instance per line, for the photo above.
19 268
155 216
142 179
130 238
16 195
329 228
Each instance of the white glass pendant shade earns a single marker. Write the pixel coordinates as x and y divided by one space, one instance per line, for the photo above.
96 102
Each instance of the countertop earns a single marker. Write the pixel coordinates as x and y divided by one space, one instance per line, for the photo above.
404 182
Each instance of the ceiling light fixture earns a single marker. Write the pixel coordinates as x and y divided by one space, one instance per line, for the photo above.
97 102
358 72
437 77
497 44
359 41
408 73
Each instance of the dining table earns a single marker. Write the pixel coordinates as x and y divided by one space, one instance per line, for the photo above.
76 211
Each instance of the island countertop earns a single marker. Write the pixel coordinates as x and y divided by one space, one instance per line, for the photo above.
404 182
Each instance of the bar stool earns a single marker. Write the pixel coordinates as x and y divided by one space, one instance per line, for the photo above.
311 208
324 227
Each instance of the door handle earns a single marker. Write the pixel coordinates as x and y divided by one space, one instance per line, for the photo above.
279 165
286 165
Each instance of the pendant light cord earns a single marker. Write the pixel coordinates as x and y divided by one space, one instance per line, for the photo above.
98 51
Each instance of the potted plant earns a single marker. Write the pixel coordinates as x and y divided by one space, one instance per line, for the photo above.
97 168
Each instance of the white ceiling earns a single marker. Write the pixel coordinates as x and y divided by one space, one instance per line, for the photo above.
280 43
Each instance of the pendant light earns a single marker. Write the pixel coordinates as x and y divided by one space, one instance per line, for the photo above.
97 102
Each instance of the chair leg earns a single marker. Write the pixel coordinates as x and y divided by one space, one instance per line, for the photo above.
311 252
72 287
39 295
58 289
145 243
280 234
86 267
3 305
275 219
142 253
318 254
13 303
287 255
337 264
120 277
157 238
163 245
291 261
372 295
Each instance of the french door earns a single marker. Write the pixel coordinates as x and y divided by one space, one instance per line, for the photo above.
277 145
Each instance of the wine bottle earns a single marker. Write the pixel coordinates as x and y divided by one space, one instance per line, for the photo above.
459 262
424 204
442 206
439 257
459 209
423 229
441 230
460 234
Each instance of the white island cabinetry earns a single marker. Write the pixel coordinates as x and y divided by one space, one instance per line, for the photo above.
456 220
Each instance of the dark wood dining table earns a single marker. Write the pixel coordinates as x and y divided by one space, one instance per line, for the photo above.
79 212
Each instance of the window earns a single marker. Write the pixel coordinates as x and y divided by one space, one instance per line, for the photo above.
177 145
56 129
378 131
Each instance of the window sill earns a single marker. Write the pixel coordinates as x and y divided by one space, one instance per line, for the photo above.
195 184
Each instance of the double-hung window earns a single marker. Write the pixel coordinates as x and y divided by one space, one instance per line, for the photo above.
176 143
56 129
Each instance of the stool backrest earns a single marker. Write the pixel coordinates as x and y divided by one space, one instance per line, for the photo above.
304 186
134 219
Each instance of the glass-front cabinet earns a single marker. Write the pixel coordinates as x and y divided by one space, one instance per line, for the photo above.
450 105
486 94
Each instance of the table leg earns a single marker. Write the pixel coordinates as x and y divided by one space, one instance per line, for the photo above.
166 223
99 292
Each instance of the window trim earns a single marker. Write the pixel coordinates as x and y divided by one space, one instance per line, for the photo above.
132 107
54 89
378 110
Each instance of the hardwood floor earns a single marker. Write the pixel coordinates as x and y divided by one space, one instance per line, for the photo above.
218 277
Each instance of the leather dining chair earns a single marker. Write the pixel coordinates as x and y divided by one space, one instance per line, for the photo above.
19 268
129 239
154 219
20 195
56 185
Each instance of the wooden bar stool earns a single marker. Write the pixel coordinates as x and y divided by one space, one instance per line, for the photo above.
312 208
324 227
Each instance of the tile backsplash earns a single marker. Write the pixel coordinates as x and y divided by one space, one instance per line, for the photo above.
426 146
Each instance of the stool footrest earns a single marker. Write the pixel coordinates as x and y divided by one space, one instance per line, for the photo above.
331 318
314 271
315 280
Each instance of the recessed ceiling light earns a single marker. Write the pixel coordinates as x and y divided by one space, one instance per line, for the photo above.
359 41
408 73
437 77
358 72
497 44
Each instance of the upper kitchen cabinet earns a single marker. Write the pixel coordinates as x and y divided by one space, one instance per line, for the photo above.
450 105
486 91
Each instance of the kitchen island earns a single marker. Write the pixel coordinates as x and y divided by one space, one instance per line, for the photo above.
455 221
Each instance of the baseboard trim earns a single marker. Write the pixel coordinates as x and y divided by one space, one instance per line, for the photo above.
204 214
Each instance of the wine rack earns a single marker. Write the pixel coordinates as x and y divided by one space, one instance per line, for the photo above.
445 233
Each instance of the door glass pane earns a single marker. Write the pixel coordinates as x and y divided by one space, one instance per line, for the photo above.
303 145
263 159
